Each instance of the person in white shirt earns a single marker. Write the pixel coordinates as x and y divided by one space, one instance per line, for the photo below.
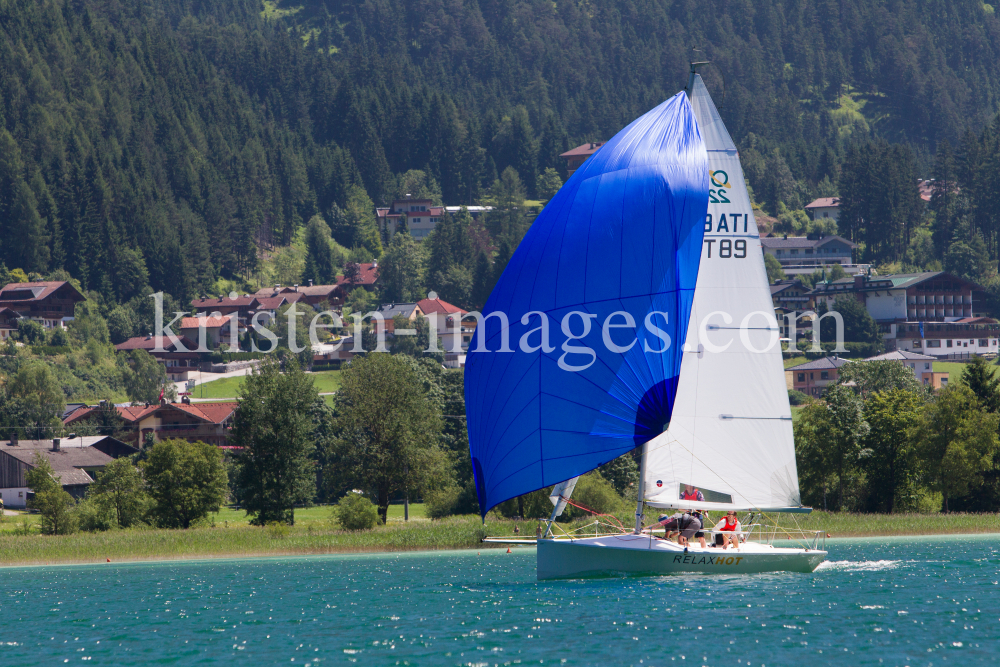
730 524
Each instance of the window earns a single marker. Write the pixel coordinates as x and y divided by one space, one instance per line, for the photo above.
983 342
916 343
935 343
948 343
927 365
824 375
802 377
795 252
972 341
944 381
812 376
925 380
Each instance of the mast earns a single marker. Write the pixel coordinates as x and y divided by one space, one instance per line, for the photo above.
694 71
642 490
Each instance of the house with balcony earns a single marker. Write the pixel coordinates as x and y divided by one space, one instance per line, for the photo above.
366 277
958 339
207 422
8 322
824 208
421 217
50 303
180 360
575 157
75 461
807 254
243 305
936 303
454 333
812 378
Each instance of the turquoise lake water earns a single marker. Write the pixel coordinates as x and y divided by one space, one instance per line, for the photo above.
927 601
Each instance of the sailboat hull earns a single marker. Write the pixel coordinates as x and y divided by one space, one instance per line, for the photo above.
634 555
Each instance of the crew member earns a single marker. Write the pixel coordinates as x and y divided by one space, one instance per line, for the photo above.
730 524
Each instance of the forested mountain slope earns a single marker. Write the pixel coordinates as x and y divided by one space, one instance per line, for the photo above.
164 142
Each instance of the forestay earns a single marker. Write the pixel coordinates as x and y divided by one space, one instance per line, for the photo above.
730 431
622 235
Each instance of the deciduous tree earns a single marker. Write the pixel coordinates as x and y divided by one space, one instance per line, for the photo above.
275 471
186 481
956 440
386 430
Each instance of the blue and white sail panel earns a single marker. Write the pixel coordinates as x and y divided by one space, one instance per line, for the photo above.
731 428
621 240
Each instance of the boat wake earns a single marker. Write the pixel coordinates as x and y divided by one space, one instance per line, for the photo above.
858 566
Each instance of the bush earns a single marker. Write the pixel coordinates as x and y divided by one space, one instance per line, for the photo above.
94 515
355 512
276 530
441 502
796 397
58 512
595 492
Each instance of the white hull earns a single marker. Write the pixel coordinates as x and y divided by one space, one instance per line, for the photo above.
615 555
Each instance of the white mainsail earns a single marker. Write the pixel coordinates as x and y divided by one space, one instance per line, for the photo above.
730 431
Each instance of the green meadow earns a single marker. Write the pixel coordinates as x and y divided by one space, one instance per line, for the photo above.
325 381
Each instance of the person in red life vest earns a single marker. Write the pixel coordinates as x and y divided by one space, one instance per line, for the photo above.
730 524
691 493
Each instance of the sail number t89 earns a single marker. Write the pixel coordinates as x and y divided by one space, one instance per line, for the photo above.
728 248
726 224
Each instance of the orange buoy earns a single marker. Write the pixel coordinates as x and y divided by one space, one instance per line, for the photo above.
508 549
109 560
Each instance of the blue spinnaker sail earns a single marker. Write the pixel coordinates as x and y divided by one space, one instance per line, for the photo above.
618 245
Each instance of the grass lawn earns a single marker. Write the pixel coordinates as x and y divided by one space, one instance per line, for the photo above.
796 409
955 369
325 382
794 361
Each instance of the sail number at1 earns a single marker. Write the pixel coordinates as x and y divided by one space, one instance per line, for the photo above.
728 248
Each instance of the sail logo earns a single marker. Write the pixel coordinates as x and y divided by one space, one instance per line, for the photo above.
720 183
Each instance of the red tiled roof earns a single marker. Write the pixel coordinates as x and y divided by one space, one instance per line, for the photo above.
583 149
428 306
272 302
149 343
215 413
39 290
367 275
207 322
824 202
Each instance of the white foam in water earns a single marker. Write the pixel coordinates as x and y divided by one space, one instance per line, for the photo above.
858 566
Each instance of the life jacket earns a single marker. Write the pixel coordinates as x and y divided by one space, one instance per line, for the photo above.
689 496
730 526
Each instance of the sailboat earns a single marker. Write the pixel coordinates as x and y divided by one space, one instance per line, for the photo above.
662 334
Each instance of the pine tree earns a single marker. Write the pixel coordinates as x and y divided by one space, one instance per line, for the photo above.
319 255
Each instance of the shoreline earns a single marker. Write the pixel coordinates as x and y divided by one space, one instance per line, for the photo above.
453 534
